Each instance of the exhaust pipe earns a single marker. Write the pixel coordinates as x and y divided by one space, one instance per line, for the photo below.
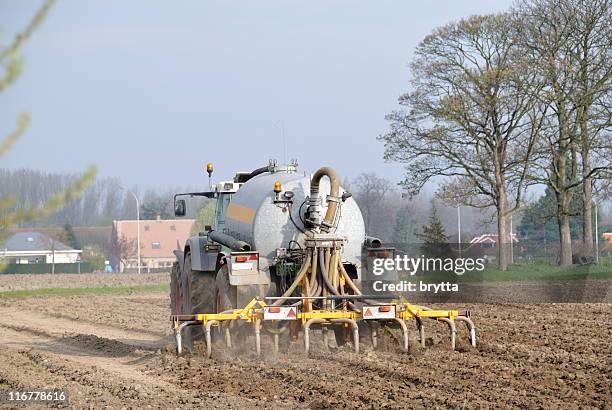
229 241
372 242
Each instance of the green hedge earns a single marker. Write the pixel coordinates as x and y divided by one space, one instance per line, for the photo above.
45 268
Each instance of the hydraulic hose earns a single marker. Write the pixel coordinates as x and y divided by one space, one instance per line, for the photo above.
256 172
332 199
315 288
324 275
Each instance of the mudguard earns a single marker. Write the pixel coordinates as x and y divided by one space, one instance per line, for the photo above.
201 258
180 258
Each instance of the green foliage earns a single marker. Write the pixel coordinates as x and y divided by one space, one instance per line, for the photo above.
205 216
22 123
95 258
434 237
153 207
405 226
539 222
12 65
69 238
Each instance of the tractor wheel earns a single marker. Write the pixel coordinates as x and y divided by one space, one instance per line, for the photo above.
224 295
225 298
202 284
195 287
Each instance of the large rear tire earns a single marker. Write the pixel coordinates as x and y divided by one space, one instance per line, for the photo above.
224 295
196 297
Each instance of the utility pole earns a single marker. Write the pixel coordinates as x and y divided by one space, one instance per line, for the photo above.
459 228
52 256
137 227
511 243
596 236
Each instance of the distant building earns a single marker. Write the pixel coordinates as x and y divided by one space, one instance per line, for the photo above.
158 239
489 240
36 248
608 237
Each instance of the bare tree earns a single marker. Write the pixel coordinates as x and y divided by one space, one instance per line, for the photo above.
591 37
468 117
561 39
124 249
370 193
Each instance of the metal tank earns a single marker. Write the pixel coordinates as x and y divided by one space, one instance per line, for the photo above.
254 217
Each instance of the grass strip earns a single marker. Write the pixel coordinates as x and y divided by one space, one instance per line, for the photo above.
98 290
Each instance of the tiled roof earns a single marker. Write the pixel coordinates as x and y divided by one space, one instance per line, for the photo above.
33 242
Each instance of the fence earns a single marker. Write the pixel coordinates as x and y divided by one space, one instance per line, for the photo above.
46 268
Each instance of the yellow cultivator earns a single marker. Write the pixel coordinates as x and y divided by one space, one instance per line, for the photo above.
258 313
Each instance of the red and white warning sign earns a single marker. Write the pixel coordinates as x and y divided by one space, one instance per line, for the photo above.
378 312
280 313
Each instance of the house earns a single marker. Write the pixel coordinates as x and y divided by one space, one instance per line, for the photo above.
489 240
158 239
36 248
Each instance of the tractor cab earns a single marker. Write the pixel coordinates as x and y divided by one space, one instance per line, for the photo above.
224 191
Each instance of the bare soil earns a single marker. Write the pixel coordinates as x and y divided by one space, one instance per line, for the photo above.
115 351
83 280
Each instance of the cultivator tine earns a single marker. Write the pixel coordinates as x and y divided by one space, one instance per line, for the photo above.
404 332
179 342
421 328
257 327
276 342
325 337
309 323
178 329
228 338
355 330
452 328
374 333
471 328
207 328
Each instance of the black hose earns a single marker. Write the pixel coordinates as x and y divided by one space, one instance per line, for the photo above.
256 172
293 222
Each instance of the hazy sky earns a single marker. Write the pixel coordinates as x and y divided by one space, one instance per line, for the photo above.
152 90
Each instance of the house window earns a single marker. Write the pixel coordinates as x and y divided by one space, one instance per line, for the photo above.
156 245
172 228
36 259
147 228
